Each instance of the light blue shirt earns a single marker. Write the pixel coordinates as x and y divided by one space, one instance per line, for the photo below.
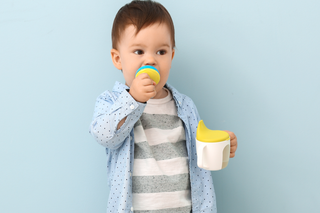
110 108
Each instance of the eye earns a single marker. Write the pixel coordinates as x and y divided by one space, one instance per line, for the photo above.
138 52
161 52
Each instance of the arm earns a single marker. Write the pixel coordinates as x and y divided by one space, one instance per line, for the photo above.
114 118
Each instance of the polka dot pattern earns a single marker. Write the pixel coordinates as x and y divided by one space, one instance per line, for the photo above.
112 107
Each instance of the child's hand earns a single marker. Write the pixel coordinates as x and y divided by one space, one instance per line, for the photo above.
233 143
143 88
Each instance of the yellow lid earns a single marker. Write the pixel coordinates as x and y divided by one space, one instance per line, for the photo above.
151 71
207 135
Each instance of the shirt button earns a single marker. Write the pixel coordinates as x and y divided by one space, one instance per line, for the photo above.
131 107
180 102
130 174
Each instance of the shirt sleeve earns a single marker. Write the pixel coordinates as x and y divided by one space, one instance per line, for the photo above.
196 112
109 111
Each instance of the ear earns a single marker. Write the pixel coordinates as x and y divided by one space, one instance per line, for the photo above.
115 56
173 52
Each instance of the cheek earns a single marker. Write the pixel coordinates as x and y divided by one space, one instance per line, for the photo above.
166 71
163 78
128 77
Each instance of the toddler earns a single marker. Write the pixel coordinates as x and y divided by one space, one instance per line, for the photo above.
149 129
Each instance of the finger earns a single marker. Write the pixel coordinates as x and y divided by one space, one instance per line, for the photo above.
233 149
231 134
147 81
152 92
149 88
150 95
233 138
233 142
143 76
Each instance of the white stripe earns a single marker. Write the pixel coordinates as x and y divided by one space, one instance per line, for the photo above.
139 135
168 108
163 200
151 167
157 136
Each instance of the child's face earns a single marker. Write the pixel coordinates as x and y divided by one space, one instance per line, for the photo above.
151 46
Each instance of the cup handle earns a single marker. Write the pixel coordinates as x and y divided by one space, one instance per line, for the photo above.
201 161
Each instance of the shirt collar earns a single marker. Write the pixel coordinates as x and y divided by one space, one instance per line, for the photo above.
176 95
119 87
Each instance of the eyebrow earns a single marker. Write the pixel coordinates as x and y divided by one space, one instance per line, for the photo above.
134 45
167 45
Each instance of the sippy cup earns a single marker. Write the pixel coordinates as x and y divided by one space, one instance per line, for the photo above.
213 148
151 71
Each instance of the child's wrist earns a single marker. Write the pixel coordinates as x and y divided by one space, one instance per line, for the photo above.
135 97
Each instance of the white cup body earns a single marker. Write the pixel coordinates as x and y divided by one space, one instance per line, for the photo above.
213 156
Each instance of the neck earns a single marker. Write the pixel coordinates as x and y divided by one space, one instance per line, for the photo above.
161 94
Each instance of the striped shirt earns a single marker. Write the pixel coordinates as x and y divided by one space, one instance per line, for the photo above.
110 108
161 182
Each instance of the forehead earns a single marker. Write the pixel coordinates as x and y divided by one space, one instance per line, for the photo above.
154 32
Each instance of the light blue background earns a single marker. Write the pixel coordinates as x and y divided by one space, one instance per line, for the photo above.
251 67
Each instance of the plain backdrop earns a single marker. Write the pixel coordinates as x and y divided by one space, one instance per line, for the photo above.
251 67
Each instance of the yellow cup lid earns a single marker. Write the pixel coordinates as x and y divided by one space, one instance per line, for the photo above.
210 136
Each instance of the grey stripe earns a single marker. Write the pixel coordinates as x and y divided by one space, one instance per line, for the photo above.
160 121
185 209
160 183
138 123
162 151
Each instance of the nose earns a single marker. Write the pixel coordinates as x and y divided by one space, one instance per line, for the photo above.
150 60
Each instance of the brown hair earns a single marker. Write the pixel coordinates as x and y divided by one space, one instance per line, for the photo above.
141 14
